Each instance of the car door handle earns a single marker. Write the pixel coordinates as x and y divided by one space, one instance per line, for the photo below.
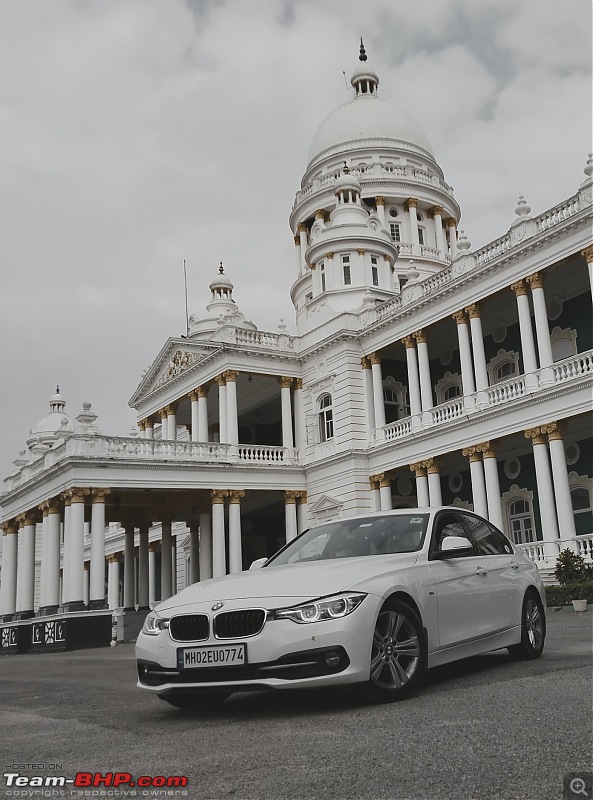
515 564
481 571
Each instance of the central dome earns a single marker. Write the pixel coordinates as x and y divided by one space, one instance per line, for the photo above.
368 117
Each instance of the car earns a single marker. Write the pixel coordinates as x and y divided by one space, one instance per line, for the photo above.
373 600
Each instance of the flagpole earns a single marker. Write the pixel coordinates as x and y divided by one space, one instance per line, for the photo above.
186 311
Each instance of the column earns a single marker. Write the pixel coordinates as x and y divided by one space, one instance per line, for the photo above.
66 550
413 377
542 329
476 470
422 495
436 212
545 492
174 588
97 576
451 223
299 416
164 424
475 322
141 425
9 568
587 254
434 482
166 559
149 428
195 416
378 401
465 353
50 565
566 524
222 408
525 330
194 552
302 232
380 201
492 485
424 368
218 533
231 402
143 570
86 583
235 553
205 545
299 255
113 581
369 401
411 204
385 493
152 549
203 412
129 576
76 540
302 515
171 422
286 409
290 515
375 481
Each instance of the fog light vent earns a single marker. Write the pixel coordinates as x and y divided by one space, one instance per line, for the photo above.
332 658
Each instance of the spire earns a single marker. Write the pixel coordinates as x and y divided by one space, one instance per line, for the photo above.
221 269
363 53
365 80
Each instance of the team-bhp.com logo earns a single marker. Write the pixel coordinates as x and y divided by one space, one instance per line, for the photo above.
89 780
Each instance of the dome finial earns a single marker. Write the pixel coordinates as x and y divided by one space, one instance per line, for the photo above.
363 53
221 269
57 390
346 169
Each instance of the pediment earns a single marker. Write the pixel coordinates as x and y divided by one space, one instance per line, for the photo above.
176 358
326 506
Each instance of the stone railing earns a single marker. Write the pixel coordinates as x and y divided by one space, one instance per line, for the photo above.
453 409
573 367
267 454
533 551
395 430
558 214
585 546
505 391
274 341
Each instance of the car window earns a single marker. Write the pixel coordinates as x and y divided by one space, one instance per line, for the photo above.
446 525
487 540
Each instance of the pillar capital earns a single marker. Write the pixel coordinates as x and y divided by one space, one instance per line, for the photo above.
193 395
451 222
536 280
77 495
218 496
460 317
153 547
320 214
374 358
431 465
28 518
290 497
235 496
221 379
587 254
380 200
303 497
409 342
329 255
297 240
163 413
411 202
489 450
365 363
418 469
536 435
99 495
302 228
520 288
420 337
113 558
361 251
312 266
170 409
202 391
473 310
141 424
553 429
285 381
231 375
375 480
473 453
10 526
435 210
298 383
51 506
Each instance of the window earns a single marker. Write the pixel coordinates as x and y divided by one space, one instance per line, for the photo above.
346 270
326 418
322 275
395 400
520 521
580 498
503 366
448 387
451 392
446 525
375 273
420 235
504 371
487 540
394 230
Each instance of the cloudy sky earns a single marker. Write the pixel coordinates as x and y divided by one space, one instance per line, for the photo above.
138 133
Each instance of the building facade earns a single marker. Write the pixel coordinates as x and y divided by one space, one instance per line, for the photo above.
423 372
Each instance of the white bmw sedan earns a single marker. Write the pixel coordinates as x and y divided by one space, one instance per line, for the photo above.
373 600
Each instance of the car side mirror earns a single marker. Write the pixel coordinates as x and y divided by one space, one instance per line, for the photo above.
258 563
454 546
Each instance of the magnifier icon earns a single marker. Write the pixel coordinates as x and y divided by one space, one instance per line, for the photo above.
578 786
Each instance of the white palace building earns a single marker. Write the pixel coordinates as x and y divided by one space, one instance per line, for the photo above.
423 372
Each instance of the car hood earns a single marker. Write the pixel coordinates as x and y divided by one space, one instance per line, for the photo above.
293 582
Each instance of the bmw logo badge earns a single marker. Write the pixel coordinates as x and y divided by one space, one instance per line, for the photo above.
216 606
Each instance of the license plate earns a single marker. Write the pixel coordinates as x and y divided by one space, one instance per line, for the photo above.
228 655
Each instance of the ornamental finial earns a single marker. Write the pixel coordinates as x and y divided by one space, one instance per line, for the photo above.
221 269
57 390
346 169
363 53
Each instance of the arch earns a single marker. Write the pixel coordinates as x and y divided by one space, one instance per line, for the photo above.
518 515
449 387
325 415
503 366
564 343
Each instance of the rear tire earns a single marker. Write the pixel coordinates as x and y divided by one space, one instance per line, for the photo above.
398 654
196 700
533 628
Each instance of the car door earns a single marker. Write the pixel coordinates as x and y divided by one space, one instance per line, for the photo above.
502 576
458 582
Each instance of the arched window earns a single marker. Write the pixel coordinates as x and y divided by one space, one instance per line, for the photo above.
520 521
395 400
326 418
449 387
581 499
503 366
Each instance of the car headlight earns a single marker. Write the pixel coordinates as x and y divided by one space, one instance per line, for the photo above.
154 624
334 607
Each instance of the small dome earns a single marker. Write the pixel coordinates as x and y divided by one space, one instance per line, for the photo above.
346 180
45 430
221 281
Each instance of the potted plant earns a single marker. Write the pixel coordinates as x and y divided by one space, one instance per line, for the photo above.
572 569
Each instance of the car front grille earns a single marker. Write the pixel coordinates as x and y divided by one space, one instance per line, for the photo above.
189 627
237 624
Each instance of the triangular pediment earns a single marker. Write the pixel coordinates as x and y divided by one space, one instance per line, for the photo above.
177 357
326 506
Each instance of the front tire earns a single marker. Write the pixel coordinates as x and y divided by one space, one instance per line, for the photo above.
533 628
195 700
398 654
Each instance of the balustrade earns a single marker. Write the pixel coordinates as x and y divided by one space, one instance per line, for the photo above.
533 551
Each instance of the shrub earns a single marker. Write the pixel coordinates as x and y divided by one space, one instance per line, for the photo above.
570 568
562 595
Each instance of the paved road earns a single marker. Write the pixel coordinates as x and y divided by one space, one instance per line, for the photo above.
484 728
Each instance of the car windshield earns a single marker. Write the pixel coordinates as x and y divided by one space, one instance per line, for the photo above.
348 538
